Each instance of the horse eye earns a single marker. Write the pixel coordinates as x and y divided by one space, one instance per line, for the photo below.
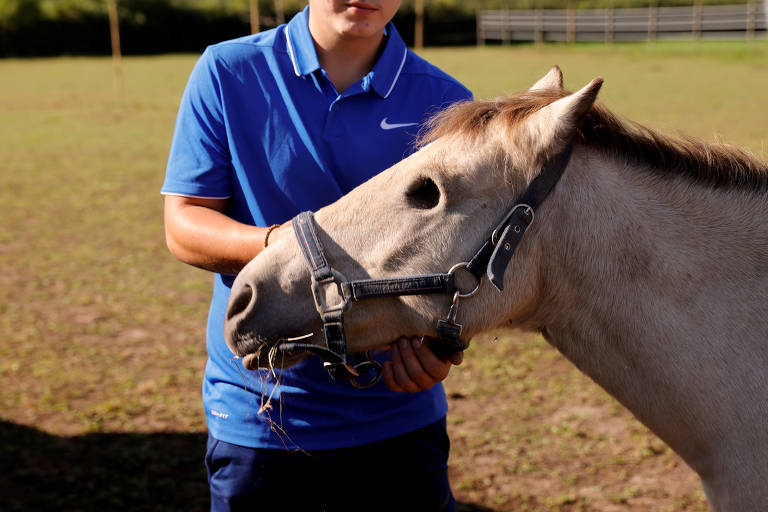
423 194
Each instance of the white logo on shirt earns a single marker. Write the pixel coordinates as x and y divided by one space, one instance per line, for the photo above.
391 126
218 414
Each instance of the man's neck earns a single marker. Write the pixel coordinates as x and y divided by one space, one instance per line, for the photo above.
345 60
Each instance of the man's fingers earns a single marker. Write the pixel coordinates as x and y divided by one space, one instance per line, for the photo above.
414 367
414 363
400 369
389 378
436 368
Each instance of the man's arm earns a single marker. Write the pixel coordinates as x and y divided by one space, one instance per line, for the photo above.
199 233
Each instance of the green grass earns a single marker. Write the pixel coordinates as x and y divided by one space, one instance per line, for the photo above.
102 332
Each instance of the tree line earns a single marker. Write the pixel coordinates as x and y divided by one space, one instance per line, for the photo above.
56 27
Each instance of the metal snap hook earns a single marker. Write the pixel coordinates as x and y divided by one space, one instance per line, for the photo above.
454 309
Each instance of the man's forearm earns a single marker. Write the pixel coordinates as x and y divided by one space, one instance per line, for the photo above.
199 233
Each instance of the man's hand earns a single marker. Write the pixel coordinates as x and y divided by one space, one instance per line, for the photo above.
415 367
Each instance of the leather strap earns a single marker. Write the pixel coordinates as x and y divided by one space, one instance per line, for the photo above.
394 287
304 227
520 217
314 254
513 232
479 262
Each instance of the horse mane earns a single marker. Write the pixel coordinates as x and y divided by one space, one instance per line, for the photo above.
711 164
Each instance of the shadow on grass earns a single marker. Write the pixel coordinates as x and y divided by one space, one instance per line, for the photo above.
123 471
118 471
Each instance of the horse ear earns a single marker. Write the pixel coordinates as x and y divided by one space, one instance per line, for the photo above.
557 122
552 80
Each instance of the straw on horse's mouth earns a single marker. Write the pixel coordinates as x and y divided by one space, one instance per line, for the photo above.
251 361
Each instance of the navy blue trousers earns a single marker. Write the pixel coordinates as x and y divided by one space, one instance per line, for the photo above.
407 472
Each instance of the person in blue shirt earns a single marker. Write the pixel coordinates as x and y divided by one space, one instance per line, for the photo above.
271 125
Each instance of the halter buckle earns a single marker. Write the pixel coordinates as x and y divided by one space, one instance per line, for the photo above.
319 289
527 211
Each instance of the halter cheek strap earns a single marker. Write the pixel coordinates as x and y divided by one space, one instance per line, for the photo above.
510 231
491 259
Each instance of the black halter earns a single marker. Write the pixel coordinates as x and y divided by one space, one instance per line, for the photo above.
491 259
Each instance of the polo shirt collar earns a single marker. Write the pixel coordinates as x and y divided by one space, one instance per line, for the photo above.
301 48
383 76
389 65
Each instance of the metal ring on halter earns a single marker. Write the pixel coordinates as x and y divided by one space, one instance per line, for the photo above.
465 266
362 368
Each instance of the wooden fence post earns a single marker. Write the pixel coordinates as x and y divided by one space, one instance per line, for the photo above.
751 15
505 27
418 30
697 19
114 35
609 24
570 24
480 31
254 16
653 21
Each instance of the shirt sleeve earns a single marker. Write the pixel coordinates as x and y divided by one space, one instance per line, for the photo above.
199 164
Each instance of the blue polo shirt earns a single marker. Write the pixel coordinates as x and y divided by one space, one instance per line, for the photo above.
261 124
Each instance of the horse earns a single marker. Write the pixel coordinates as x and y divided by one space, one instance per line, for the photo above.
646 266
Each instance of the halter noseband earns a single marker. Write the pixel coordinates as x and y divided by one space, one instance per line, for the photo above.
491 259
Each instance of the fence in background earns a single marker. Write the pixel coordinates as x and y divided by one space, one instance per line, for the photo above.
637 24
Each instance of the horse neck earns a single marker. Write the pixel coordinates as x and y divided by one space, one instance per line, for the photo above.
655 289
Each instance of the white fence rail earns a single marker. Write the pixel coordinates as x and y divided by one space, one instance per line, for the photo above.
650 23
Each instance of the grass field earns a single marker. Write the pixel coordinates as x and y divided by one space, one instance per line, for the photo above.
101 331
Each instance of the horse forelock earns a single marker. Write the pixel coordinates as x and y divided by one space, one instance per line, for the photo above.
710 164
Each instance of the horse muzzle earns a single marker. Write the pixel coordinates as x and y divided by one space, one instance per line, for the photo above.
261 317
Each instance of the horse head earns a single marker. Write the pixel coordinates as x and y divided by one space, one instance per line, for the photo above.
423 215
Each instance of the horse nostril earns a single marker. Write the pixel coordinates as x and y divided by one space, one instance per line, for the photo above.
240 301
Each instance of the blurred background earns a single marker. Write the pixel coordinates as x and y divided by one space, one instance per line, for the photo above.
102 331
162 26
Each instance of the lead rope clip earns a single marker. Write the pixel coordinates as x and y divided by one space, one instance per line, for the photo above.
449 322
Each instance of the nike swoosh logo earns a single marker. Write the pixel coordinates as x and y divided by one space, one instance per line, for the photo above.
391 126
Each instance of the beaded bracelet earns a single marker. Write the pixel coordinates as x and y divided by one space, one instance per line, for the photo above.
269 231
